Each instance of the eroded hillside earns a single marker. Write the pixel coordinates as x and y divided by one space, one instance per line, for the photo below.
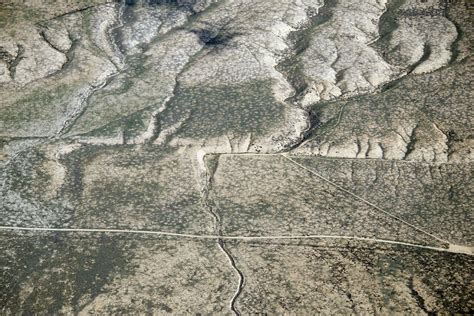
236 156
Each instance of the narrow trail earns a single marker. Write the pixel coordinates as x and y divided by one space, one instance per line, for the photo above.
451 246
368 202
451 249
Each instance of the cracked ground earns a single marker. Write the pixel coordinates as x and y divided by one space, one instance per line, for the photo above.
236 157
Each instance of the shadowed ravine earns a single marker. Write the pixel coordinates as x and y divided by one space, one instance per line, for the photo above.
228 157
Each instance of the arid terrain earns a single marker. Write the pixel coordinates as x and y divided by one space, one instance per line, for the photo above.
238 157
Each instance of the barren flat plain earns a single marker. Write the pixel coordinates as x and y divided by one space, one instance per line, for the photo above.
236 157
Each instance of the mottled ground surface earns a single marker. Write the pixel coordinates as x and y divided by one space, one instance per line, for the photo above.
236 157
